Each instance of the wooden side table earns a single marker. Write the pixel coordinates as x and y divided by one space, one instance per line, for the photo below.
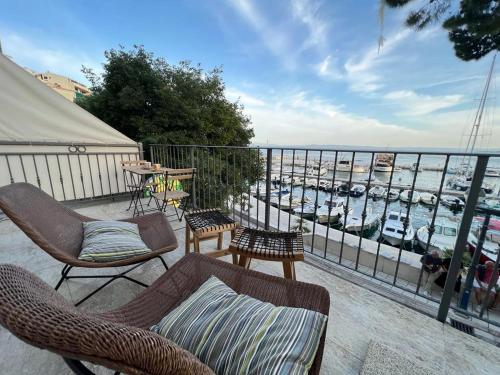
209 224
285 247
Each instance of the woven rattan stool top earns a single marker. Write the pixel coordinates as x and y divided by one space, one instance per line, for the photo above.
270 245
209 221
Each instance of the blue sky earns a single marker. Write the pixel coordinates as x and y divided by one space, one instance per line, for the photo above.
307 72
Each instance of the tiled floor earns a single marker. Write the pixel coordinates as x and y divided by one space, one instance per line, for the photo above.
357 315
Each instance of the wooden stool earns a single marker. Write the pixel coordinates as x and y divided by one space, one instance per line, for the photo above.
285 247
209 224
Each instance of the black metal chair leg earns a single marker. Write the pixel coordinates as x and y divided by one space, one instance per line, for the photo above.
79 368
64 274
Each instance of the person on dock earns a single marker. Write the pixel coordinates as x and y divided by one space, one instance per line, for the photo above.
431 264
484 275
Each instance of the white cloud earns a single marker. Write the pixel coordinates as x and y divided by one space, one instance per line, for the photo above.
308 12
413 104
361 71
39 56
328 69
246 99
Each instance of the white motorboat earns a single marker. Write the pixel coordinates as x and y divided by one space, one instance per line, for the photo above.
324 185
315 170
453 203
393 230
376 192
311 183
458 183
488 188
287 202
391 195
428 198
331 211
492 172
307 211
357 190
444 236
346 166
354 224
383 163
404 196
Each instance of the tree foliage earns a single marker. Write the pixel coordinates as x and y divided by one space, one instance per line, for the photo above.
152 101
473 25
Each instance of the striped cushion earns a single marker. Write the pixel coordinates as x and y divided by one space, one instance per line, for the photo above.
105 241
237 334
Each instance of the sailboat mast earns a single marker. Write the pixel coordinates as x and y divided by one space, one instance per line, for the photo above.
479 115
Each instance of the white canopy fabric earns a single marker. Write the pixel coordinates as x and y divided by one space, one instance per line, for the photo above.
30 111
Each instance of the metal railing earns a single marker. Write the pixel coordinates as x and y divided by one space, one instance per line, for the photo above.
334 196
69 172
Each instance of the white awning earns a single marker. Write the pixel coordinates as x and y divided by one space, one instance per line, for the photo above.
30 111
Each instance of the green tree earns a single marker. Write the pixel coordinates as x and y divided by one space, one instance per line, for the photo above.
152 101
473 25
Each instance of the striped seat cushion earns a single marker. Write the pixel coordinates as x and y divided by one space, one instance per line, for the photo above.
237 334
106 241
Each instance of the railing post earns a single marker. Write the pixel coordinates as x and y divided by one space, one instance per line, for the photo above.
191 152
141 150
151 154
463 233
269 166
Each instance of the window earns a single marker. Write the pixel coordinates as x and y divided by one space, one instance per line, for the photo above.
393 217
450 232
438 229
388 229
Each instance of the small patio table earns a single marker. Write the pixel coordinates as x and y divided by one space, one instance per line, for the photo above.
140 184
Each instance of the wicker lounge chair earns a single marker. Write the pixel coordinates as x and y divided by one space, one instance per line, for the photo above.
119 339
58 230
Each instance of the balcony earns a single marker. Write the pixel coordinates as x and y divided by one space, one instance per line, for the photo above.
375 289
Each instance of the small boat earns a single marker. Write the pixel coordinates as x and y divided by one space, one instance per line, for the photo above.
297 181
492 172
314 171
346 166
383 163
335 188
331 211
354 224
444 235
453 203
376 192
311 183
413 168
289 202
392 195
393 230
344 188
324 185
488 188
490 248
404 196
458 183
428 198
481 198
307 211
357 190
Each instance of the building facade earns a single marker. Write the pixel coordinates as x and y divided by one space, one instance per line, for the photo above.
65 86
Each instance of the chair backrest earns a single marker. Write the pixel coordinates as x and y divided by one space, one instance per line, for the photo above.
52 226
132 162
35 313
184 176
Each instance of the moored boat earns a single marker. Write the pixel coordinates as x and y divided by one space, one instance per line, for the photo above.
428 198
393 230
443 237
391 195
331 211
376 192
354 224
357 190
453 203
404 196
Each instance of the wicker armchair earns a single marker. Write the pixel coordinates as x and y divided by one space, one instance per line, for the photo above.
58 231
119 339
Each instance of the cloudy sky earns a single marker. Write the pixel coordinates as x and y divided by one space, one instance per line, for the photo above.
307 72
